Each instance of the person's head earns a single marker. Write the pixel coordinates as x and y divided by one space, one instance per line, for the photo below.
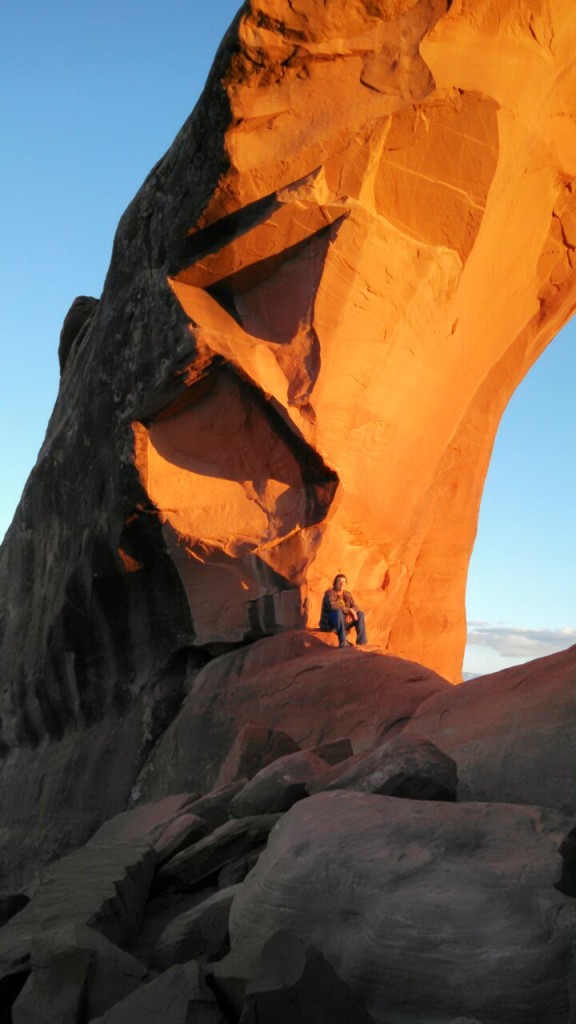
340 581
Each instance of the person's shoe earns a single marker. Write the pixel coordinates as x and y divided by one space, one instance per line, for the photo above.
346 644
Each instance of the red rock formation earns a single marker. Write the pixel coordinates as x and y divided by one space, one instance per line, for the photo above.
317 307
295 682
427 910
387 252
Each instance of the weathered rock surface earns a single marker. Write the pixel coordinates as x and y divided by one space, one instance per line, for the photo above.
183 831
208 856
296 983
253 749
405 766
77 975
297 682
146 822
424 909
53 796
275 788
198 933
512 734
214 807
179 996
75 326
101 885
335 751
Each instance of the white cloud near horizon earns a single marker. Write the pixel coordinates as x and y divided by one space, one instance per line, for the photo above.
517 642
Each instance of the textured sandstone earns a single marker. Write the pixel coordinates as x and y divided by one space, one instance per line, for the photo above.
335 751
202 861
254 747
214 806
104 886
147 822
296 983
198 933
512 733
405 766
425 909
179 996
296 682
77 975
275 788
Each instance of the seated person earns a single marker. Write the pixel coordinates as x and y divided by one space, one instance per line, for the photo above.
341 613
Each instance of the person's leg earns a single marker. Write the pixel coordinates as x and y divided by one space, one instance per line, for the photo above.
338 623
360 627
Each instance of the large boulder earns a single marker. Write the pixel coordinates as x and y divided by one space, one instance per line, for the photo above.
405 766
209 856
254 747
76 975
426 910
296 983
512 733
296 682
274 789
102 885
199 932
179 996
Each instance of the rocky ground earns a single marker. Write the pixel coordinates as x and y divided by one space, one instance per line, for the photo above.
407 858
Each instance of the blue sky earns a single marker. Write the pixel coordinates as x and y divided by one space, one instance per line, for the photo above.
92 95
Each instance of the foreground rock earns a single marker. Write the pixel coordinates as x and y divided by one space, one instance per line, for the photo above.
254 748
198 933
101 885
297 683
77 975
405 766
294 982
512 734
275 788
229 844
179 996
423 908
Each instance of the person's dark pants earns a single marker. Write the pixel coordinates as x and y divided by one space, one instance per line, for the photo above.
338 623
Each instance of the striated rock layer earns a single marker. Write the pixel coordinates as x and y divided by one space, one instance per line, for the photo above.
317 308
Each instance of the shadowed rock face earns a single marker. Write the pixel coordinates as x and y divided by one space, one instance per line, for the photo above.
317 307
420 905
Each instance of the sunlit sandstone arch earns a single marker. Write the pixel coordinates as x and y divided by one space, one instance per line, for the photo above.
389 249
317 308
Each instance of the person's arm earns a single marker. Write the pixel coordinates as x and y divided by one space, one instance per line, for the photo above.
350 603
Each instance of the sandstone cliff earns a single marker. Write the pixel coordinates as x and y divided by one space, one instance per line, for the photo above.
317 307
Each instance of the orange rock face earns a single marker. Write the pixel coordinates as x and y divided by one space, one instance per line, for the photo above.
388 249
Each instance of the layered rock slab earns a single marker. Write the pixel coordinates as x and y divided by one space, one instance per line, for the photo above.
297 682
77 974
512 733
102 885
178 996
405 766
422 908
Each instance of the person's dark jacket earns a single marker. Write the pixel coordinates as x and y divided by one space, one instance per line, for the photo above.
331 602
